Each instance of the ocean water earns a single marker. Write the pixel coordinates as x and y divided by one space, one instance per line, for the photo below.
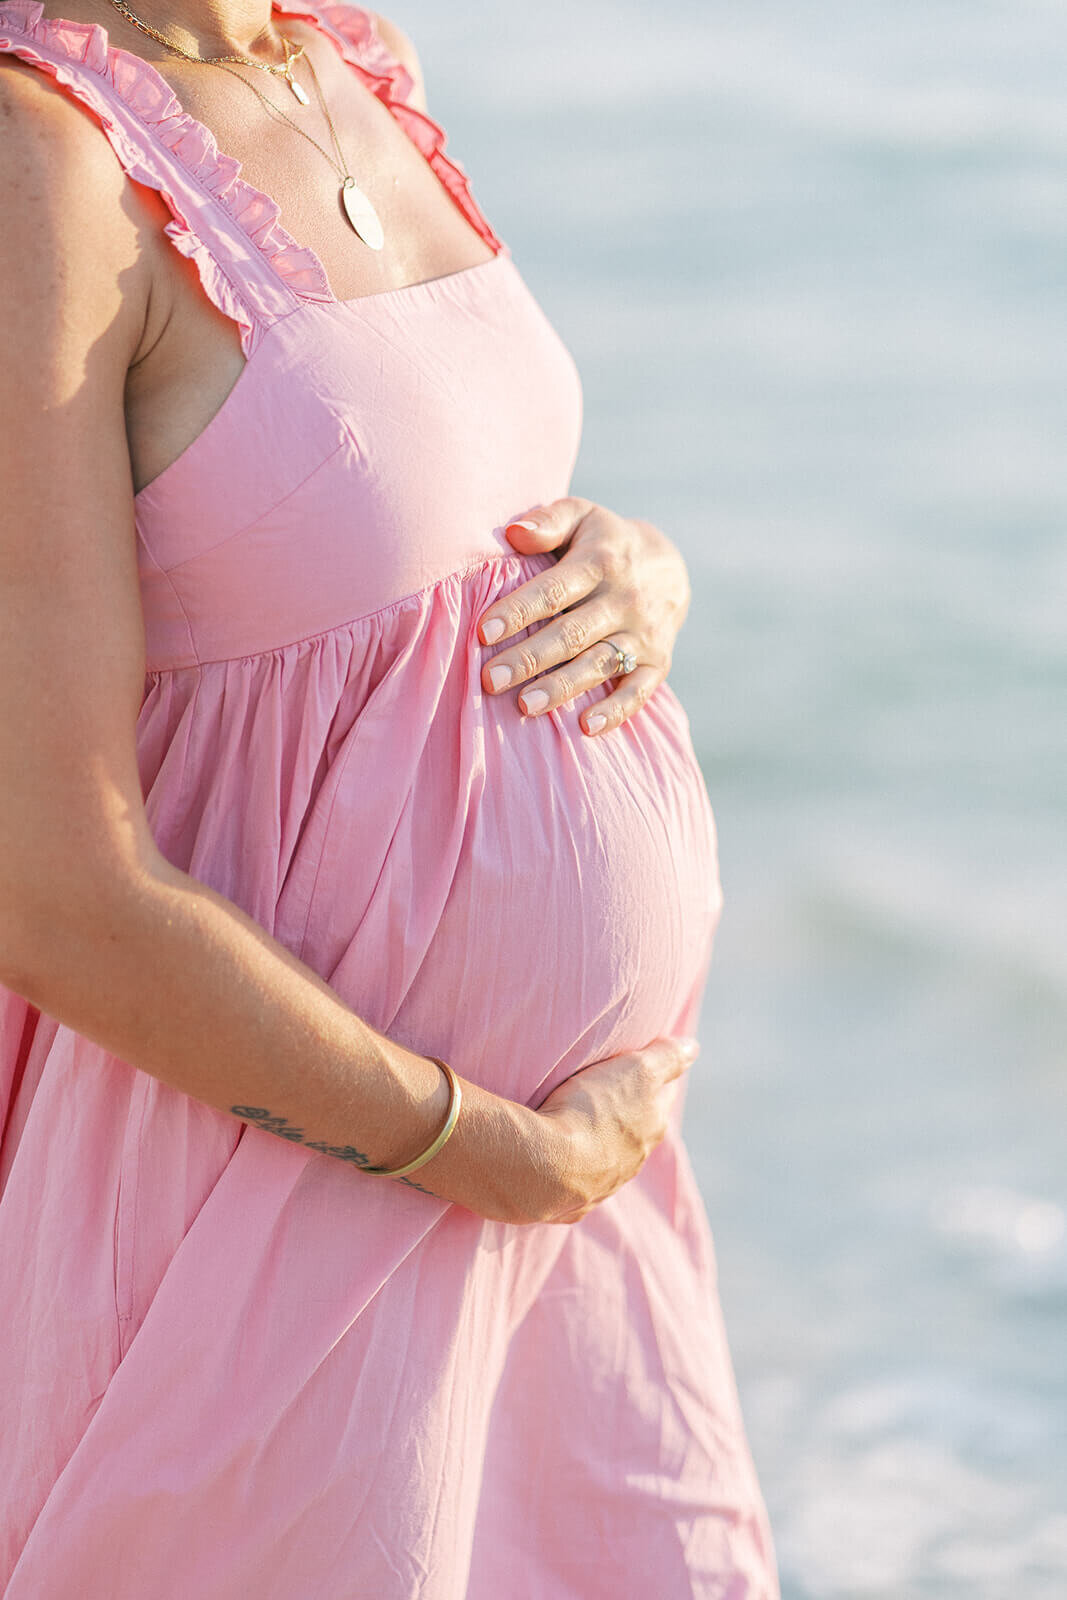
811 262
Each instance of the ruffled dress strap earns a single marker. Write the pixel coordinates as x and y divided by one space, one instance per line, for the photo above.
249 265
356 36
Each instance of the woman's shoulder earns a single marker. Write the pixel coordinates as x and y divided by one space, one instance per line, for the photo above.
71 252
51 144
399 45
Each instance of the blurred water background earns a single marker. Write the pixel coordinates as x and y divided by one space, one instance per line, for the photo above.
811 261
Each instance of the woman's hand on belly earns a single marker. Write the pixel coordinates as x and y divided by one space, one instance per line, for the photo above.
593 1133
616 579
613 1114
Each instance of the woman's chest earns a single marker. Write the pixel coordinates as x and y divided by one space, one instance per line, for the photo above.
366 451
192 353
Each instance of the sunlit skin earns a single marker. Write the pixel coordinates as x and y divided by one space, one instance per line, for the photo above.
115 363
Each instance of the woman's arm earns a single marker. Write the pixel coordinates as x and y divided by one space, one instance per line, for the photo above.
96 927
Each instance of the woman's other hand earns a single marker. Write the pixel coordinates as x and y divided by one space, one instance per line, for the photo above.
612 1114
616 579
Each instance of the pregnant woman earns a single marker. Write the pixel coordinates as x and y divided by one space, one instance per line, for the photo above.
357 881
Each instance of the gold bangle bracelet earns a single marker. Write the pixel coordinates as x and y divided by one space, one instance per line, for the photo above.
455 1100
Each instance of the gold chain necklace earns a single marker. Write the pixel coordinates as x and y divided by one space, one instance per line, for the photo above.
357 207
285 69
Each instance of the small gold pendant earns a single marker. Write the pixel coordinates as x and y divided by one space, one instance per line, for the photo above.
293 54
362 215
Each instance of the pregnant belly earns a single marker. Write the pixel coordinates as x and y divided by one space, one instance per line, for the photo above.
583 908
541 899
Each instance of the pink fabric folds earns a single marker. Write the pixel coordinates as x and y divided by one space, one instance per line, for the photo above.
232 1366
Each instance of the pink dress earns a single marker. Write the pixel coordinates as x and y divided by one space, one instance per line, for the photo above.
233 1367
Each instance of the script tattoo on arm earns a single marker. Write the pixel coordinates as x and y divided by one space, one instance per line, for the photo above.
259 1117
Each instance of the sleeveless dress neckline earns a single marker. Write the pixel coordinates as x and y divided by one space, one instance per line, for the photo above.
156 105
157 108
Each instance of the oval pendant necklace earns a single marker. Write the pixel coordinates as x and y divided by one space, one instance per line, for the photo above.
358 208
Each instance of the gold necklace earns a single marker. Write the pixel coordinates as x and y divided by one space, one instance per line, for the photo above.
284 70
358 209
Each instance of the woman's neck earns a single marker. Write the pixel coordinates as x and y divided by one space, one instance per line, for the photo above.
202 27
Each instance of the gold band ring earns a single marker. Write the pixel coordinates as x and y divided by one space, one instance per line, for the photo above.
625 660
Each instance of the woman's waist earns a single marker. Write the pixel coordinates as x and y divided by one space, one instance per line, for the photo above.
236 604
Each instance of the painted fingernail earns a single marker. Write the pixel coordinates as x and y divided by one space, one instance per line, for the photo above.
492 630
595 724
531 527
499 677
533 700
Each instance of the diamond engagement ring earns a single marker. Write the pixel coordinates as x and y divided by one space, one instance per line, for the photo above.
625 660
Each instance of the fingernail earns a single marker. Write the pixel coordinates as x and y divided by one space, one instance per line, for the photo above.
499 677
533 700
595 724
492 630
531 527
689 1047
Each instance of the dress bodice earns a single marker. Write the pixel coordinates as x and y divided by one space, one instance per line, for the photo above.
369 447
